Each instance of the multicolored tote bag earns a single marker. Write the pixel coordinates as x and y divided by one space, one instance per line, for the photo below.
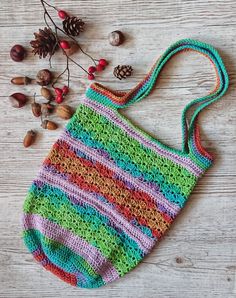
107 191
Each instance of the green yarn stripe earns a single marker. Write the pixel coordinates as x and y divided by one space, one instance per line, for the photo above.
68 218
85 213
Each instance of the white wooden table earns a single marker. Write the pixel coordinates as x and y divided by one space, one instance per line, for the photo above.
197 258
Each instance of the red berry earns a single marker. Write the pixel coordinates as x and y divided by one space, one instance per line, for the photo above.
91 69
103 62
59 99
62 14
91 77
64 44
99 67
65 90
58 91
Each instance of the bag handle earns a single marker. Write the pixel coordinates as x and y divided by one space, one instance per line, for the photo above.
124 99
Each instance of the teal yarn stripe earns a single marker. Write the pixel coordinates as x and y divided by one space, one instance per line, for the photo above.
62 257
77 131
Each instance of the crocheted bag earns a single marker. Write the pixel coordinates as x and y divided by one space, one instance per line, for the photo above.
107 191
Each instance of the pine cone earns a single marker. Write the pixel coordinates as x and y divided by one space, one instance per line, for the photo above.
73 26
45 43
122 71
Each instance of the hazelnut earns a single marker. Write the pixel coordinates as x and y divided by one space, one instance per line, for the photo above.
116 38
64 111
44 77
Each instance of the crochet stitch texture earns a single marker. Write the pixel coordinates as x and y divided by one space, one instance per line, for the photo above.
107 191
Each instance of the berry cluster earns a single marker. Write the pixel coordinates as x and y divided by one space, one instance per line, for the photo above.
102 63
60 93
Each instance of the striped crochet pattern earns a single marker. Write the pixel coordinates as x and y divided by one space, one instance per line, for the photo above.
107 191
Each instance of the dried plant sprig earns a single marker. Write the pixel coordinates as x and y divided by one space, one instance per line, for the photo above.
57 28
55 37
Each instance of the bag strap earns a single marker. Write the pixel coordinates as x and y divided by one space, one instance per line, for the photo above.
189 127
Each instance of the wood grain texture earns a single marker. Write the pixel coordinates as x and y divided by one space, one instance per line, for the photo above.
197 257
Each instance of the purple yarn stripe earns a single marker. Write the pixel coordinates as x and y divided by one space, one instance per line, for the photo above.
77 195
111 115
92 255
151 190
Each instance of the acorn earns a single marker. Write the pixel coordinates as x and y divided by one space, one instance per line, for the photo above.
46 93
46 124
46 109
21 81
17 53
36 109
17 100
116 38
29 138
64 111
44 77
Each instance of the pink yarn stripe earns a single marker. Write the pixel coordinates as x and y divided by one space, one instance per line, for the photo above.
92 153
111 115
92 255
80 196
